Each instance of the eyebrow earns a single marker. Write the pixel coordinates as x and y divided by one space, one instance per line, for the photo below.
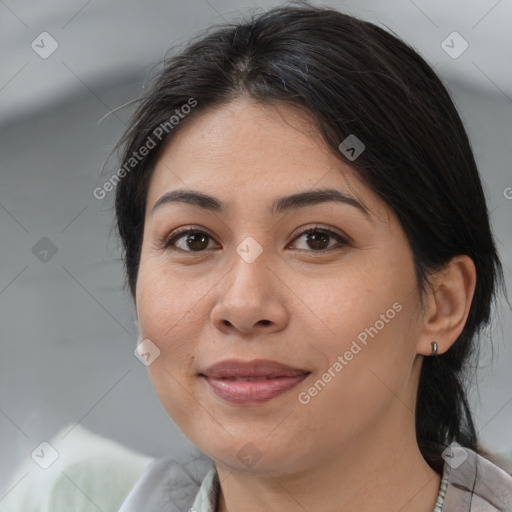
280 205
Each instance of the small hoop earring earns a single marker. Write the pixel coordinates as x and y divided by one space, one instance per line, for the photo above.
434 348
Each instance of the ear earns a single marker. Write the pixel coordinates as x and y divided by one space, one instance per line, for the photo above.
447 305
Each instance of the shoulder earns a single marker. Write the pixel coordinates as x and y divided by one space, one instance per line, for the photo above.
167 485
475 483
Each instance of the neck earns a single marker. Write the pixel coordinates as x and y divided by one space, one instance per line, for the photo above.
384 472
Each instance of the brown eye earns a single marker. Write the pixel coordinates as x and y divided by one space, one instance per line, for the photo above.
193 241
318 239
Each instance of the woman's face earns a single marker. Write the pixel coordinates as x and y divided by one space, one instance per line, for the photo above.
343 312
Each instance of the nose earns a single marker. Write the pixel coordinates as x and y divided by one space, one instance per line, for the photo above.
251 298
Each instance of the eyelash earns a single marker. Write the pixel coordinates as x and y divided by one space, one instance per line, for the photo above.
168 242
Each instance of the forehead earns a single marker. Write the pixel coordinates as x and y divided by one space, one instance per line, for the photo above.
249 152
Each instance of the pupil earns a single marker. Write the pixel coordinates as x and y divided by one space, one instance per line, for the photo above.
318 240
196 239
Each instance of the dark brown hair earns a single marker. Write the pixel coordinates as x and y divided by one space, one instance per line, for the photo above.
353 77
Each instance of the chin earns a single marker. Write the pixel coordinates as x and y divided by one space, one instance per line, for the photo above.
252 458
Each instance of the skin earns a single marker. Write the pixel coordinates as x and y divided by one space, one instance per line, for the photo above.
295 304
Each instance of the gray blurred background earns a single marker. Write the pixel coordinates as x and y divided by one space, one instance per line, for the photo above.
67 329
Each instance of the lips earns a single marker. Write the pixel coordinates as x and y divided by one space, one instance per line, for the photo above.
252 382
251 370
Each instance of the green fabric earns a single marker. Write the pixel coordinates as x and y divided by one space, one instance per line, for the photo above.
91 474
91 485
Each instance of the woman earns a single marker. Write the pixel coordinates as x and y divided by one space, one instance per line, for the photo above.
308 247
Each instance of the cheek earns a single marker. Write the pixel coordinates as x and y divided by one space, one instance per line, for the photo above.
167 310
166 316
370 314
361 380
167 302
365 301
